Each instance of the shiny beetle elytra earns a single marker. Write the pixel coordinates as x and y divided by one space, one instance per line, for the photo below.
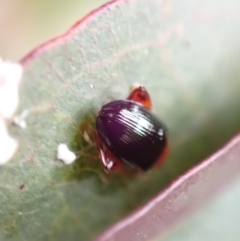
128 132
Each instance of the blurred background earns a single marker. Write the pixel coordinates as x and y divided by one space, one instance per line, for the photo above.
24 24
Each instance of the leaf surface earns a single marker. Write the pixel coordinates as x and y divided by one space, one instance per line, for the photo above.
186 53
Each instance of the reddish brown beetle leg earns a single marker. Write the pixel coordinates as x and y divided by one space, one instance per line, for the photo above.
108 160
141 95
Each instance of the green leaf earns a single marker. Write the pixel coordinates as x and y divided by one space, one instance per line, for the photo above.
187 56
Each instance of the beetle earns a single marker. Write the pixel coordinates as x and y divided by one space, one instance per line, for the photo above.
128 132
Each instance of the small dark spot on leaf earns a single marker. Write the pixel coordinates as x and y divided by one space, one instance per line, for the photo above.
21 186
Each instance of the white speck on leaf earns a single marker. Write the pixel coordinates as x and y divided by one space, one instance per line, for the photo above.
8 145
64 154
20 120
135 86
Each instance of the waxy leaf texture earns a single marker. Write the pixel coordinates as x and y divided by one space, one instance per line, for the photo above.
186 53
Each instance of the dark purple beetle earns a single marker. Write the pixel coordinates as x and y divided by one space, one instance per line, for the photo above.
128 132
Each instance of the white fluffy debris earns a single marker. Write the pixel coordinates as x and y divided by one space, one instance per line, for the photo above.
64 154
20 120
10 76
8 145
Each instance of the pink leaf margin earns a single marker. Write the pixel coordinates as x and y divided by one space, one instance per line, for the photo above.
185 195
81 24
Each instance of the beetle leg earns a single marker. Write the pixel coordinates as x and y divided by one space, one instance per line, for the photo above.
108 160
140 95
